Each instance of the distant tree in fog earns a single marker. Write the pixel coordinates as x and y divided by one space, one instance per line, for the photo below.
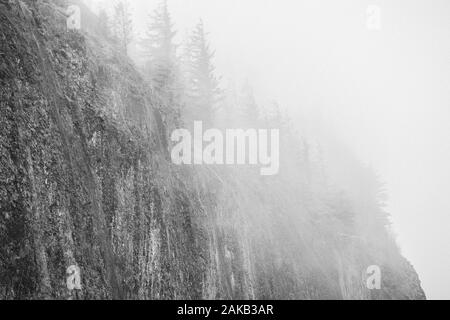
104 23
160 50
202 83
250 109
122 25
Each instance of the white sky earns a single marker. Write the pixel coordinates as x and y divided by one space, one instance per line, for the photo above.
386 92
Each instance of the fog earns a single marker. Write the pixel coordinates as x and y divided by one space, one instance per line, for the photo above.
385 94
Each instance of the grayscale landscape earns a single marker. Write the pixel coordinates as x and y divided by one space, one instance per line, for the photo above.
224 150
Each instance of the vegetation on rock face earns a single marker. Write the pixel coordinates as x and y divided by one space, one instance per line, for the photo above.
86 180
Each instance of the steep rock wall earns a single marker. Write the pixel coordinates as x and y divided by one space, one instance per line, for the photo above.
86 180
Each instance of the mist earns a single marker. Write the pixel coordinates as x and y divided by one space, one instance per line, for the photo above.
356 93
383 93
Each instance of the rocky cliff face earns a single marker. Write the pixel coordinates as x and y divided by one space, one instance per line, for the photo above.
86 180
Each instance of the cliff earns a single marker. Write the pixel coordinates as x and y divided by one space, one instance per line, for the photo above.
86 179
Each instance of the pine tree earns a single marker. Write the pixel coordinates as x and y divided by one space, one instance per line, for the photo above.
103 23
273 117
250 109
123 25
203 86
160 49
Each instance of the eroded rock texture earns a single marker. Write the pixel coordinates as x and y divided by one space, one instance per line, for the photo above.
86 180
